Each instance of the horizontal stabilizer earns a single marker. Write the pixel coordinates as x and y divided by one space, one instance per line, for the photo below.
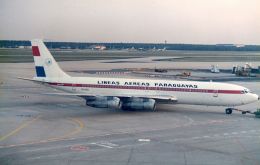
29 79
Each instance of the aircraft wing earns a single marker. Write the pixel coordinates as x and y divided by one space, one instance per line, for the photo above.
158 98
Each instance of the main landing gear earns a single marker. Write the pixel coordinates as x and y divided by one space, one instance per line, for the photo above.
229 111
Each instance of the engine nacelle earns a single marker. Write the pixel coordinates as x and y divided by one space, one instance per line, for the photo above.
138 104
103 102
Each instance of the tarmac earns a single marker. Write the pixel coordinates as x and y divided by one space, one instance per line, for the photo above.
40 129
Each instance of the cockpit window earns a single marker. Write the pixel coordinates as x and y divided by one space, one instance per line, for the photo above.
245 91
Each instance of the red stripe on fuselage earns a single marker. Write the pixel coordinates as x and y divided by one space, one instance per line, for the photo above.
35 51
148 88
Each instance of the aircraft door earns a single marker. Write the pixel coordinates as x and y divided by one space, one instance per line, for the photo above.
74 87
214 90
215 93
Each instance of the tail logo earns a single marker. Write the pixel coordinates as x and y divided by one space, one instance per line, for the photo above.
48 61
35 51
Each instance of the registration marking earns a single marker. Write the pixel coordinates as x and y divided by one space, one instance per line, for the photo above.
144 140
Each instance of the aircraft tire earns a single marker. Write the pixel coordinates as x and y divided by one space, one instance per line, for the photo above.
228 111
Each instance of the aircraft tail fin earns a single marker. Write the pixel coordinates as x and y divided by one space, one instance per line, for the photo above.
45 64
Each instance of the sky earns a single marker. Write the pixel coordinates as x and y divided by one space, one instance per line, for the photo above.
146 21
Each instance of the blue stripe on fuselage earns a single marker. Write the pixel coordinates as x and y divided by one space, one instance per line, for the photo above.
40 71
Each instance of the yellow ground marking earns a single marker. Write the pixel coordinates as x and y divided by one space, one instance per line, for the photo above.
63 137
19 128
73 132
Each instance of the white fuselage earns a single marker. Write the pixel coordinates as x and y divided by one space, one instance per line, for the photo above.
186 92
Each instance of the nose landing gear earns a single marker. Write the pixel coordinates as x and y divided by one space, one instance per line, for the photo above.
229 111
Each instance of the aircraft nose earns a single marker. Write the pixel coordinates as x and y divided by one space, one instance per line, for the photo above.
256 97
252 98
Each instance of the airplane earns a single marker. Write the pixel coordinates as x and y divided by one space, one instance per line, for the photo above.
134 93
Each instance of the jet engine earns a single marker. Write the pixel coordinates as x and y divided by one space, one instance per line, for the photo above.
103 102
138 104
